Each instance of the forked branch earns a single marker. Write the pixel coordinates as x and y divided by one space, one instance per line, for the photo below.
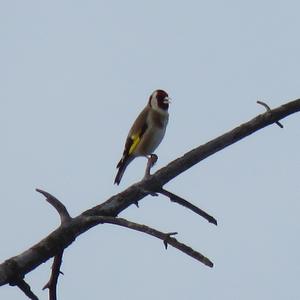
63 236
268 108
165 237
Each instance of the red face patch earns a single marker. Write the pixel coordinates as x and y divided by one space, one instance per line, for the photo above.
161 99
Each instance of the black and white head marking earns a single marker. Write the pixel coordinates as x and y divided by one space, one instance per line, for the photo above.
159 100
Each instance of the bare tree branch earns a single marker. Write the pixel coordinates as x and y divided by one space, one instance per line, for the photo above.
52 283
268 108
165 237
64 218
25 288
60 208
63 236
185 203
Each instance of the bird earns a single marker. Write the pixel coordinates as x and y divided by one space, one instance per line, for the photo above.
147 131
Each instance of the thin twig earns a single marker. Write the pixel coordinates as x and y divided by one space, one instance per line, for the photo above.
185 203
60 208
268 108
52 283
165 237
25 288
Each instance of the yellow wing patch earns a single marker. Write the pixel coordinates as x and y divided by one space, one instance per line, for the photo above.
135 141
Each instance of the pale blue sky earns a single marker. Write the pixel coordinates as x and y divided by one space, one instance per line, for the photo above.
74 75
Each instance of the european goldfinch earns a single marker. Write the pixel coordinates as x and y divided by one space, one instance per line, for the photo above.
146 132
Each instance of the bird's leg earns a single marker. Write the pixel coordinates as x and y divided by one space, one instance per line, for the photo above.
152 159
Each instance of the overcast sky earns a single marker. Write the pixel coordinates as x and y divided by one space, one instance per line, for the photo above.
75 74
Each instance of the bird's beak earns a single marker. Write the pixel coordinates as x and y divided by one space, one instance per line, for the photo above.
167 100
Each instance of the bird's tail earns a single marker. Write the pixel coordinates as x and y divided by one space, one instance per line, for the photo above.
121 166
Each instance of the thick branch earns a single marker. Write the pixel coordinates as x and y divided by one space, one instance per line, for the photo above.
165 237
268 108
65 235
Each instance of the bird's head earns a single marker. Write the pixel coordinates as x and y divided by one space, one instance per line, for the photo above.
159 100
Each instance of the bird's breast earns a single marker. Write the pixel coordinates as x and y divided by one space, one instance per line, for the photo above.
153 135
